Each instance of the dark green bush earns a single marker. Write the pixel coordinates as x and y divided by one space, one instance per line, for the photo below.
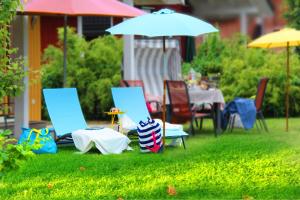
241 67
92 67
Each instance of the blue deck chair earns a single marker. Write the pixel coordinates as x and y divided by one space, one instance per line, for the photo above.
65 111
131 100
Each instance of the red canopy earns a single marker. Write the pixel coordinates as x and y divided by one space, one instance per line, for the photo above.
80 8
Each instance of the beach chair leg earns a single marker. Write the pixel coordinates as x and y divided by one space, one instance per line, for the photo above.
232 123
261 116
228 127
265 125
257 125
183 143
260 123
214 120
196 121
201 123
192 131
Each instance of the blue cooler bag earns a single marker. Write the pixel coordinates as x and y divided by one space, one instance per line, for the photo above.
42 137
150 138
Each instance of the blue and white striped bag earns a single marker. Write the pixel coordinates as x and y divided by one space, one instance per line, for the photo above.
150 138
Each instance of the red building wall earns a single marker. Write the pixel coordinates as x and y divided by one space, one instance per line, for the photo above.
49 26
275 22
228 27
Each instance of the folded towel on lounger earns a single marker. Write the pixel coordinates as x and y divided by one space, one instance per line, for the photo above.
106 140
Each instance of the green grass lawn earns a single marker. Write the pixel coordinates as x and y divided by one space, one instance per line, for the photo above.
238 165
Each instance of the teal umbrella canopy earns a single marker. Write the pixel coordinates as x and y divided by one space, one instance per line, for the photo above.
164 22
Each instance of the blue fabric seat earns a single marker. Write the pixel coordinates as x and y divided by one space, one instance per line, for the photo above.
65 112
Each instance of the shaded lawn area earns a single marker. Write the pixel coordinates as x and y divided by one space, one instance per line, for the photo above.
242 164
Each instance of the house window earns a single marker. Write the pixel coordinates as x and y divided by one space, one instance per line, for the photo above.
93 27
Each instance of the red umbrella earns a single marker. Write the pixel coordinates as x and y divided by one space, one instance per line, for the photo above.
78 8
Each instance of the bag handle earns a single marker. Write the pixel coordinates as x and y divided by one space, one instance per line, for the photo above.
38 131
31 131
46 131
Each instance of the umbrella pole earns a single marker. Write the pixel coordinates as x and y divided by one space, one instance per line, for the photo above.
65 51
164 95
287 87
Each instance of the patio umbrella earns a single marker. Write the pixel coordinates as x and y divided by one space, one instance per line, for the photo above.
286 37
163 23
78 8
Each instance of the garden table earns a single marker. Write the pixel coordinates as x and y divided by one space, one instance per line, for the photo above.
212 96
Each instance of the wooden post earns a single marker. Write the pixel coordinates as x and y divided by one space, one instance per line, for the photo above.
65 51
164 95
164 113
287 87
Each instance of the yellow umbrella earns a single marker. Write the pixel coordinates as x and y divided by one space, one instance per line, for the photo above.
284 38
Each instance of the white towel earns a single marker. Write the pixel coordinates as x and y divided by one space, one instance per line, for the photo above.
128 124
107 140
173 127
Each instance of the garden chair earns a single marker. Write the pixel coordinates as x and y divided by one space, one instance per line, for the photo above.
180 107
131 100
259 99
258 103
154 107
68 121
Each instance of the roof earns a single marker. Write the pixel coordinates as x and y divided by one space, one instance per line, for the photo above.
230 8
158 2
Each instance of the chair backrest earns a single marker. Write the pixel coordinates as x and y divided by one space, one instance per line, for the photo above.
132 83
179 98
64 110
131 100
261 89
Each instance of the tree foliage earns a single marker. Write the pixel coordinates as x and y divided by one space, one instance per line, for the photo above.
11 76
210 59
92 67
293 13
241 68
11 70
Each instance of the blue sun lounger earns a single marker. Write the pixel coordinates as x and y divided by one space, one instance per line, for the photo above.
65 111
69 124
131 100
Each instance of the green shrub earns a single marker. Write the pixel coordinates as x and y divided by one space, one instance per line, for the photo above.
12 155
242 67
92 67
211 51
